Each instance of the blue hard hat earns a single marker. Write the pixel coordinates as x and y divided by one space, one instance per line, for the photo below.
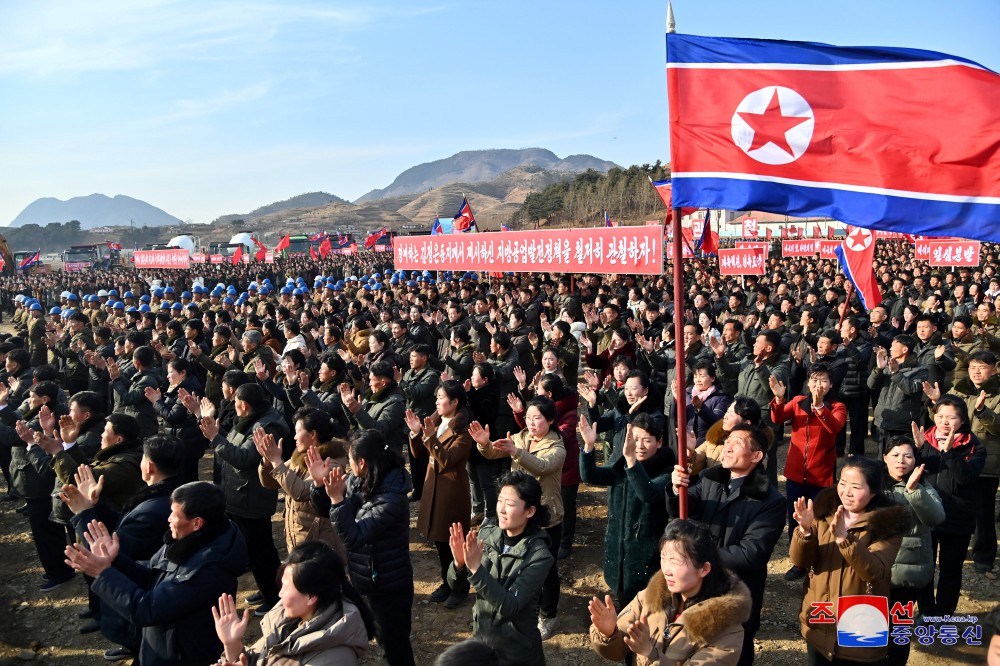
376 275
264 291
364 278
158 293
113 292
168 290
176 306
144 298
228 300
377 285
240 301
244 295
35 306
132 309
72 297
144 308
185 294
128 294
285 290
394 280
296 292
56 311
118 305
411 283
68 312
367 287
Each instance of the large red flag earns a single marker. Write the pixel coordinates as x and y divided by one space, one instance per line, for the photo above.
817 232
857 258
312 253
848 133
325 247
767 234
238 255
663 188
285 242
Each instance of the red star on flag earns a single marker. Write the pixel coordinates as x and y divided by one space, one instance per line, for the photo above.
770 126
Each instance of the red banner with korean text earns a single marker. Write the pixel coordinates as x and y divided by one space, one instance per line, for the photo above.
162 259
216 258
827 248
799 248
739 245
621 250
749 229
954 253
742 261
198 258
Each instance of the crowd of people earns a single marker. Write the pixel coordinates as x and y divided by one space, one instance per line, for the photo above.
152 422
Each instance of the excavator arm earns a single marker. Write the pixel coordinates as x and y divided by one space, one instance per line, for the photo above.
9 267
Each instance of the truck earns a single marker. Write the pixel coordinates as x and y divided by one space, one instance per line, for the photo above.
95 256
9 261
298 246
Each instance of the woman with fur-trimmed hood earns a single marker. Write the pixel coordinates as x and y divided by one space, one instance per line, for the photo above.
847 539
692 612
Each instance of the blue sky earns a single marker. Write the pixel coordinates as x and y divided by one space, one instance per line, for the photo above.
208 108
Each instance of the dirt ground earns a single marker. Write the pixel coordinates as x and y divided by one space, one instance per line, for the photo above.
44 628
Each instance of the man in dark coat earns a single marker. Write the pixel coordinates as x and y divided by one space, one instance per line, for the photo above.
744 512
171 597
130 396
139 527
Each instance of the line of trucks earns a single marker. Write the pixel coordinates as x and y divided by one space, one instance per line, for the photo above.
101 256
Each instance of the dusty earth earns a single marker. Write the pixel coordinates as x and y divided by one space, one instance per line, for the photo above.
43 628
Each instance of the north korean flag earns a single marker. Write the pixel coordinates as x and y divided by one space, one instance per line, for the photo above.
464 219
901 140
28 262
857 259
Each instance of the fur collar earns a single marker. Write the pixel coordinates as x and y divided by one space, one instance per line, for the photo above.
756 485
707 618
882 523
967 388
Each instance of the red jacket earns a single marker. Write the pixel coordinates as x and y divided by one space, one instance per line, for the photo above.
812 451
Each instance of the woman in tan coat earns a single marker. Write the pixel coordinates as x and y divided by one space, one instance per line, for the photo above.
848 540
691 612
444 437
312 428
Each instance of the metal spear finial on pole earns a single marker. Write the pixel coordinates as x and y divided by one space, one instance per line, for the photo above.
671 24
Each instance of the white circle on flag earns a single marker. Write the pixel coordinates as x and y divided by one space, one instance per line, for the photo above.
859 239
792 108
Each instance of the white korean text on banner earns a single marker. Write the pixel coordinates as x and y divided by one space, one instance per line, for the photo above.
636 250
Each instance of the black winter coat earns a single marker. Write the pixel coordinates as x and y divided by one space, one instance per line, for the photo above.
140 529
181 423
172 600
245 496
376 533
954 474
746 525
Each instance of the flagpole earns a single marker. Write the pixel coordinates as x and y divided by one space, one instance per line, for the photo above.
681 388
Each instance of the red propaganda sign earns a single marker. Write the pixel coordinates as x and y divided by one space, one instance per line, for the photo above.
653 223
750 227
827 248
623 250
922 250
74 266
799 248
954 253
742 261
216 258
162 259
382 248
198 258
269 257
687 250
698 226
742 245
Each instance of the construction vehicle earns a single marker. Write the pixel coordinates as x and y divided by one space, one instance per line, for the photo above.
11 260
95 256
298 246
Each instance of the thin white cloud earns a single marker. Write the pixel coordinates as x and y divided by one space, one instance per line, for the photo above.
188 109
40 39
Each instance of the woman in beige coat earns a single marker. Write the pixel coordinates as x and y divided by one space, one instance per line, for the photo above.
313 427
321 620
691 612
